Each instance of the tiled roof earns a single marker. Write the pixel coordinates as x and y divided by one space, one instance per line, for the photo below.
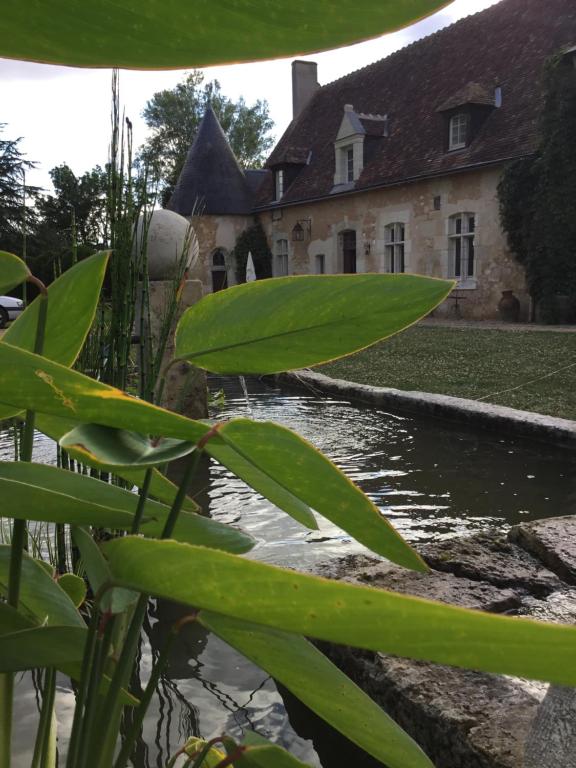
505 45
211 180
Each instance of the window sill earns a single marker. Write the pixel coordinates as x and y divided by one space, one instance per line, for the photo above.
465 285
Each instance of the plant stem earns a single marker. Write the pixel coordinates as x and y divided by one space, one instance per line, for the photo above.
142 501
140 713
87 661
172 519
108 727
43 733
20 540
19 529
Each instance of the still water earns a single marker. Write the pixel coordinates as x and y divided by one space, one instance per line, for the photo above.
431 481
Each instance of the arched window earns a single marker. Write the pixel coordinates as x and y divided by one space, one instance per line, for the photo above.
461 251
219 273
394 235
348 250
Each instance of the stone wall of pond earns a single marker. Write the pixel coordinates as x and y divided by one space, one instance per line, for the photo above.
466 719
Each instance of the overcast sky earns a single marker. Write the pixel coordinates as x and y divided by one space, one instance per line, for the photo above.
63 113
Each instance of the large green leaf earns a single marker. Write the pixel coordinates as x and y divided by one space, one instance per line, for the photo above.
123 448
260 480
290 462
151 34
30 381
30 656
294 322
160 487
345 613
43 492
13 271
72 302
40 596
305 671
45 646
13 621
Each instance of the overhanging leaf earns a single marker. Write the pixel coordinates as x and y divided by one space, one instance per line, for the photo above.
72 302
312 678
290 462
13 271
40 596
152 35
344 613
122 447
284 323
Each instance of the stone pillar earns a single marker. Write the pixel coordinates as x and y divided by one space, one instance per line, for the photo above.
185 387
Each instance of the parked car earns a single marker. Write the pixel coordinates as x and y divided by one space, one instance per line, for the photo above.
10 308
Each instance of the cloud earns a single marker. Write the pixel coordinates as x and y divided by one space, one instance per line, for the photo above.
11 69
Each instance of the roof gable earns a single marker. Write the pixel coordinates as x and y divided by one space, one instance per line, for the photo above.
503 47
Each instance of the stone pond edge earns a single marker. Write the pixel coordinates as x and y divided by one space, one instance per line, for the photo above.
507 422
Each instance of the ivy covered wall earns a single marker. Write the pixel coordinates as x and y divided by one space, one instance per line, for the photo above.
538 200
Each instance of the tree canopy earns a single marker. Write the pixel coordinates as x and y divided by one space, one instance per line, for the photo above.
14 192
175 114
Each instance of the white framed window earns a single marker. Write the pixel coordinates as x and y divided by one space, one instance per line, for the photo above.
394 242
461 251
281 258
319 264
349 154
458 131
279 179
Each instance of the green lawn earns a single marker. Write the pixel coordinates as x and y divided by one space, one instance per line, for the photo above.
473 363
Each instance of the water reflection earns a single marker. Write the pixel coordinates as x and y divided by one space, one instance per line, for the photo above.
432 482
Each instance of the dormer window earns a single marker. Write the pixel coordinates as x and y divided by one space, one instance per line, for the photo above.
279 179
349 148
458 136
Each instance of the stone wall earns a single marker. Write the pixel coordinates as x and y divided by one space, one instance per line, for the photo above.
426 243
463 718
217 232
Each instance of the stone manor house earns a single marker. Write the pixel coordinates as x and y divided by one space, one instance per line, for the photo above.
394 167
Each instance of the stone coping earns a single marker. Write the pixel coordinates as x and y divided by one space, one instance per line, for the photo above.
509 422
463 718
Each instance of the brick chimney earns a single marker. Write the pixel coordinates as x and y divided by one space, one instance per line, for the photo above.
304 84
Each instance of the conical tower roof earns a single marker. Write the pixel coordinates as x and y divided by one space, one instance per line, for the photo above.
211 181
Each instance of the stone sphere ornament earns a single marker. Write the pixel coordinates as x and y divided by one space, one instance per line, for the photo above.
168 236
